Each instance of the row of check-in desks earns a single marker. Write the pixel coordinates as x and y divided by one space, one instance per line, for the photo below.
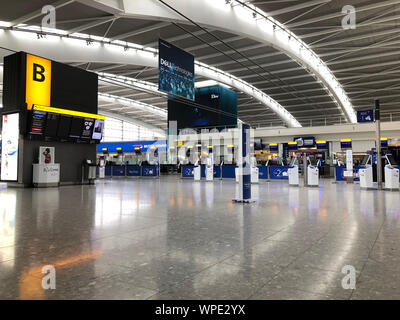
228 172
132 171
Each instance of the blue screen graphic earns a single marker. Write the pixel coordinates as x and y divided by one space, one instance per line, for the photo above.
175 71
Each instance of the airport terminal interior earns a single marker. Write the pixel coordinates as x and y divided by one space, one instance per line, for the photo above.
199 150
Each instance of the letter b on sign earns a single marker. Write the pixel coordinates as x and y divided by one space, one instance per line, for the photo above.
38 73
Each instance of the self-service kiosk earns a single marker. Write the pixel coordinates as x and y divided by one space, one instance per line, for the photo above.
210 167
391 174
197 171
312 173
102 168
254 170
366 173
293 173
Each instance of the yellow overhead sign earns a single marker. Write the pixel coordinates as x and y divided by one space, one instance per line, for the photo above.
38 81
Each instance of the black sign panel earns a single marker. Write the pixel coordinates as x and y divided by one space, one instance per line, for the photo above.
52 124
64 126
76 127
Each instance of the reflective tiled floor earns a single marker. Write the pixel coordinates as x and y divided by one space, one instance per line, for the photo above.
177 239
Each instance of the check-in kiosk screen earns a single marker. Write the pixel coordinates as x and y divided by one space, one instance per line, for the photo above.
52 124
76 127
64 126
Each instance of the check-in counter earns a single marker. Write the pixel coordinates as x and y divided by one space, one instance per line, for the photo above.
187 171
217 171
278 172
340 173
228 171
118 171
133 171
262 172
149 171
108 171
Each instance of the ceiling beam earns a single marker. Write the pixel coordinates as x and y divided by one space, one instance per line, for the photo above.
32 15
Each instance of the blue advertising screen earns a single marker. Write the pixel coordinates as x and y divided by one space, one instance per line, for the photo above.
175 70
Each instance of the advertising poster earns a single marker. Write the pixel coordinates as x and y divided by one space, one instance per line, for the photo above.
98 130
175 71
9 151
46 155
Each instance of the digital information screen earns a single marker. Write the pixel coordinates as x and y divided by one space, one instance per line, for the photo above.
87 128
9 151
64 126
38 122
76 127
175 70
52 124
98 130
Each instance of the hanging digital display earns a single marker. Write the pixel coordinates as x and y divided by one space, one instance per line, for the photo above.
52 124
175 70
38 122
98 129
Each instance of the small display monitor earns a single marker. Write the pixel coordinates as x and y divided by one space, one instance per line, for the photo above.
98 129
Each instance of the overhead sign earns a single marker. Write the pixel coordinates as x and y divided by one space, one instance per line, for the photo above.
175 70
365 116
38 81
9 151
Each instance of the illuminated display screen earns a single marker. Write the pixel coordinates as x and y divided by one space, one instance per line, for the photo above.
87 128
76 127
9 151
98 129
38 122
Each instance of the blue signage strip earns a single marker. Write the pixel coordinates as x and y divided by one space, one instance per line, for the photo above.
365 116
118 171
228 172
175 70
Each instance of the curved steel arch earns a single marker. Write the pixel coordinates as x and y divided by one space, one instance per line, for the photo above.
58 46
235 18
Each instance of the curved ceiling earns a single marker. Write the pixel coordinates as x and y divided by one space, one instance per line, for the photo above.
364 60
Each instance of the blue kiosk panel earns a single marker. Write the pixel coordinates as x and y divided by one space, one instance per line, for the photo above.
278 172
133 170
217 171
118 171
262 172
228 172
187 171
149 171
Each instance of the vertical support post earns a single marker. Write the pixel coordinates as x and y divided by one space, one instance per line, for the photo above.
305 168
244 163
378 144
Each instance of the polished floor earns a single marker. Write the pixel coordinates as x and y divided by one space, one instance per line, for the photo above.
178 239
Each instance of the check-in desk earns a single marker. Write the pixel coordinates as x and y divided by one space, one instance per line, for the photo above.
278 172
149 171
